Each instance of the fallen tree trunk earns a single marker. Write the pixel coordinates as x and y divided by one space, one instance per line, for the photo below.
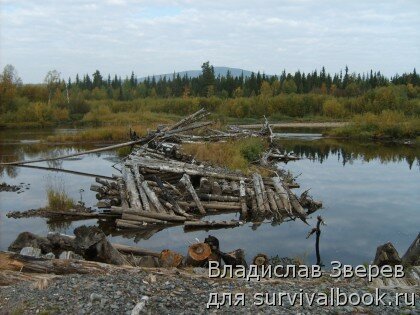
17 262
185 180
242 196
154 215
133 194
135 217
201 224
211 197
214 205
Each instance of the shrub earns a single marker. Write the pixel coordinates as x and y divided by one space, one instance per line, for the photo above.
333 108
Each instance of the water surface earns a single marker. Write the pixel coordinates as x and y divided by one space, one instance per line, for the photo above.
370 193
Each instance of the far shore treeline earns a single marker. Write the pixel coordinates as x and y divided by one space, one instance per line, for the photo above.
94 99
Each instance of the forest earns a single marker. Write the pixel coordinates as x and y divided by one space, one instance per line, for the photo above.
104 99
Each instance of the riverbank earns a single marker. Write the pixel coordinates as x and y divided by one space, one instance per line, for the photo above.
181 291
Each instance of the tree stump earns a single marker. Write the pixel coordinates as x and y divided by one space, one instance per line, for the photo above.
170 258
260 260
198 254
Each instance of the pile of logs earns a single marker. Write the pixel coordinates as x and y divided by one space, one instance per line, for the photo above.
159 185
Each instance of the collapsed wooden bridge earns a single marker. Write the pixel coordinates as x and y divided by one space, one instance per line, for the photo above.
161 186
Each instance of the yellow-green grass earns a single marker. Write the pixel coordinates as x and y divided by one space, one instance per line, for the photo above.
386 125
235 155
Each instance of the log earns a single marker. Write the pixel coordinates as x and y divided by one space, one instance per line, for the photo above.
149 192
123 192
186 128
185 180
170 259
264 194
120 223
187 119
205 186
258 193
216 189
211 197
154 215
242 196
16 262
226 189
133 217
254 205
198 254
181 168
412 256
108 148
272 202
296 207
211 224
173 204
282 193
103 182
66 242
214 205
139 180
235 187
133 194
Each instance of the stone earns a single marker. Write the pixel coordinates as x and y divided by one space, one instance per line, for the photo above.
31 251
386 255
49 255
95 297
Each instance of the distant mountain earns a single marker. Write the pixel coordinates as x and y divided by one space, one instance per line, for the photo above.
222 71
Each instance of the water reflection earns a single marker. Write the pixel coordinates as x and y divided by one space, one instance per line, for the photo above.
350 151
371 200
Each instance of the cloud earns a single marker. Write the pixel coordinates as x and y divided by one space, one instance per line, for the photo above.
118 36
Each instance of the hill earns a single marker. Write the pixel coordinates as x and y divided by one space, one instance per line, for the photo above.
222 71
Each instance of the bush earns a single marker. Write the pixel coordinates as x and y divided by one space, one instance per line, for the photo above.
252 149
333 108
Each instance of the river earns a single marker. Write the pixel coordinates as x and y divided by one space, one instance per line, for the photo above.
370 193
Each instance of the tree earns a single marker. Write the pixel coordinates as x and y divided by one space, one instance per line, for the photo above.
289 86
52 80
207 79
9 81
97 79
266 89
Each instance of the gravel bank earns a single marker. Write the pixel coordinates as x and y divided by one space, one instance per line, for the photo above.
177 292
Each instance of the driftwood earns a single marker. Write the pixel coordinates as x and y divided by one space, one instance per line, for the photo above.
154 215
242 196
133 194
317 230
15 262
211 224
185 180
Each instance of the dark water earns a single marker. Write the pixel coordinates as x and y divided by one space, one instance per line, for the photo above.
370 194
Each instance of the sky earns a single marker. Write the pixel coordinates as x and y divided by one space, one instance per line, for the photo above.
155 37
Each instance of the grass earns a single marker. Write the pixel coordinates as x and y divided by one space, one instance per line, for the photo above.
386 125
58 200
109 133
235 155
